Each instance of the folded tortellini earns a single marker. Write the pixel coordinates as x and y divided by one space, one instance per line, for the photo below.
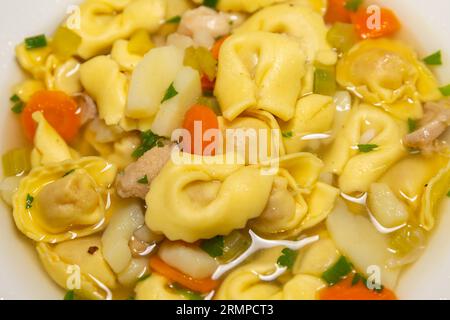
33 61
314 114
260 70
198 198
107 85
388 73
126 60
102 22
63 201
299 22
79 265
366 125
244 283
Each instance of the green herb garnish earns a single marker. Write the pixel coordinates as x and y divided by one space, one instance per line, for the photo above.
18 104
149 141
70 295
367 147
210 3
29 202
445 90
287 258
170 93
190 295
213 247
68 173
36 42
15 98
353 5
174 20
358 277
143 180
288 134
412 125
337 271
434 59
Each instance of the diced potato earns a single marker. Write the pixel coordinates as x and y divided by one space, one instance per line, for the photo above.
387 209
171 113
150 80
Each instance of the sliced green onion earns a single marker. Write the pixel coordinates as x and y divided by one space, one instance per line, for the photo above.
365 148
212 103
445 90
353 5
412 125
174 20
29 201
15 98
325 81
356 278
16 162
434 59
342 36
70 295
18 104
143 180
287 258
234 244
36 42
337 271
188 294
210 3
214 246
170 93
288 134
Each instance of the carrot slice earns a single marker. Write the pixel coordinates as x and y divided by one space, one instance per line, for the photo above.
389 23
344 290
197 285
336 12
216 48
59 109
207 85
204 116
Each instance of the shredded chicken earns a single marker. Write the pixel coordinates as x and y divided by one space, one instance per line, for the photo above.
204 25
434 123
149 165
87 107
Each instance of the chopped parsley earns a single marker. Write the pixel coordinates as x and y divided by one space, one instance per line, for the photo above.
149 141
188 294
174 20
288 134
143 180
70 295
337 271
287 258
434 59
365 148
210 3
213 247
29 202
170 93
353 5
445 90
412 125
68 173
36 42
18 104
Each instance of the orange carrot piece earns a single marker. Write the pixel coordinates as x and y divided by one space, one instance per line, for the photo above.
216 48
197 285
344 290
389 23
59 109
336 12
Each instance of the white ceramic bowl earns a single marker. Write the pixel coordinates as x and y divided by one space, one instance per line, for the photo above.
426 25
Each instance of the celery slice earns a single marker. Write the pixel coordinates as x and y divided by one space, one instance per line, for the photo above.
342 36
325 81
65 43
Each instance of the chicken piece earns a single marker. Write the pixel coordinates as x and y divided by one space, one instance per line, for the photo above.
86 106
204 25
130 184
434 123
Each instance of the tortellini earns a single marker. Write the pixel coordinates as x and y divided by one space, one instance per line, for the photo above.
244 283
314 114
259 70
102 22
126 60
49 146
26 89
107 85
190 216
79 260
66 77
65 200
301 23
357 169
384 205
33 61
388 73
